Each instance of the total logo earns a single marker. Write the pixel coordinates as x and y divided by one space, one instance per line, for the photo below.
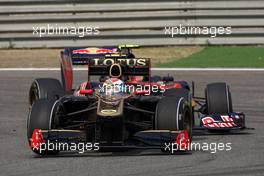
95 51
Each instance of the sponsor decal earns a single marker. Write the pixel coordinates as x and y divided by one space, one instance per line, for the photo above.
108 111
121 61
226 122
95 51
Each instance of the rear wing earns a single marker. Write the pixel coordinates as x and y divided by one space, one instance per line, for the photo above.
112 61
118 66
81 56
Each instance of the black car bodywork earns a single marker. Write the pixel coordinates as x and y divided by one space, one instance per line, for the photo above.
134 120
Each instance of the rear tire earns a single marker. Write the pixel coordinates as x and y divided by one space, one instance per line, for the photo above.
218 98
47 88
156 78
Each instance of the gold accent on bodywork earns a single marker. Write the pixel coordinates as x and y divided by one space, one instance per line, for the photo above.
108 111
120 71
194 103
119 108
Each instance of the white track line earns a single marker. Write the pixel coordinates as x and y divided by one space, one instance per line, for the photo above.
154 69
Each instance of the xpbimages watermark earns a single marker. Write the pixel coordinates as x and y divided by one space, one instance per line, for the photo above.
54 29
212 147
147 89
74 147
212 31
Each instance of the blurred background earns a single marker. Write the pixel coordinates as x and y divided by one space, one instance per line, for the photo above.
113 22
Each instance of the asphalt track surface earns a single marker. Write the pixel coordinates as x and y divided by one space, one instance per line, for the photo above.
245 158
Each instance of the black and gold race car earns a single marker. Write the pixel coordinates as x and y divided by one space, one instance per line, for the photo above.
120 106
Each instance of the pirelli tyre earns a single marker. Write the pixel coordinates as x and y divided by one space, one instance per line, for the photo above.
178 93
174 113
156 78
43 116
46 88
218 98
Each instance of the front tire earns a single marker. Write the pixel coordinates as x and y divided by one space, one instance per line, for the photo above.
177 92
174 113
43 116
218 98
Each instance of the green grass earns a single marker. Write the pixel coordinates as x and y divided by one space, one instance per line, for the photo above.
222 56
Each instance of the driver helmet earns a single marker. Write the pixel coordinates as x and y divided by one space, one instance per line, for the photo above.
113 86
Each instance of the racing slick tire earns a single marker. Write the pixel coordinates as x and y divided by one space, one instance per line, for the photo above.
174 113
47 88
177 92
156 78
218 98
43 117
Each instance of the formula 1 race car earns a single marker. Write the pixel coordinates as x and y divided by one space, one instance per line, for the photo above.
120 106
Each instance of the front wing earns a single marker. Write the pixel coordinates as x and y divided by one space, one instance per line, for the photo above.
63 140
231 121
